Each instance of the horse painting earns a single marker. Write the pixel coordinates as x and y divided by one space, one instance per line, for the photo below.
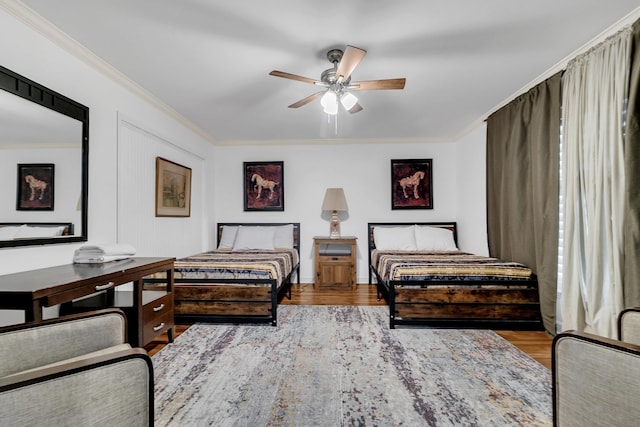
36 187
412 182
259 183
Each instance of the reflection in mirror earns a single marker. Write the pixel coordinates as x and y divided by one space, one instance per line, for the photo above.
41 130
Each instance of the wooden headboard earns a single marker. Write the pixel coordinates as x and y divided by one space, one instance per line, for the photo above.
296 229
68 226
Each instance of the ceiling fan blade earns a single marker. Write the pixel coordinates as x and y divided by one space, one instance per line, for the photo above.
293 77
356 108
350 60
378 84
308 99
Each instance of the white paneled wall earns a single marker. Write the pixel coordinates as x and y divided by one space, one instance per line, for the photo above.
136 220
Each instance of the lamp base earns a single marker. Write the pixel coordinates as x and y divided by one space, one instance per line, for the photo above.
334 226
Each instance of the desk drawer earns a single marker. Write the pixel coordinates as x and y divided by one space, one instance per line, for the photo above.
157 317
85 290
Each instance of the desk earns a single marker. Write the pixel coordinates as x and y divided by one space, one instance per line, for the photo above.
32 290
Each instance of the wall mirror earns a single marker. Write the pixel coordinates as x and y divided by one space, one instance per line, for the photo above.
44 164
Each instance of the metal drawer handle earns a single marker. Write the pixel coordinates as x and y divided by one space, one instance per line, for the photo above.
106 286
158 308
157 328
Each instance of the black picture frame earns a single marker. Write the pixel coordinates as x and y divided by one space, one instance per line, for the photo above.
35 187
412 184
263 186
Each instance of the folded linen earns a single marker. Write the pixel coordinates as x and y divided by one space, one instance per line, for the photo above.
90 253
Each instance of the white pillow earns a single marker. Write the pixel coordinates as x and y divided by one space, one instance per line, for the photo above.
27 231
228 237
254 238
283 236
434 239
394 238
8 232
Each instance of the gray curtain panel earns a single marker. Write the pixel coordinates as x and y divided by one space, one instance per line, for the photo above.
522 186
631 272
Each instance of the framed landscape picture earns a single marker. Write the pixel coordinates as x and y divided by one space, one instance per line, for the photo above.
173 188
35 186
411 184
263 186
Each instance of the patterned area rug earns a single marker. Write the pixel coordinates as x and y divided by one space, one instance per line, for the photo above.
343 366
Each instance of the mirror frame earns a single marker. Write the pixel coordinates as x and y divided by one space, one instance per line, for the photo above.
27 89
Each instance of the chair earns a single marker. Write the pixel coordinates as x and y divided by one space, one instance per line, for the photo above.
74 370
596 380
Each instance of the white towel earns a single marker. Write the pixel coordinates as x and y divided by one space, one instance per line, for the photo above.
96 253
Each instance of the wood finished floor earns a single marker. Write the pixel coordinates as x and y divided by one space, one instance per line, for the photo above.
537 344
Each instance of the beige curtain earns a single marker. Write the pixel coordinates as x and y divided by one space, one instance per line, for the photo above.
631 273
594 99
522 186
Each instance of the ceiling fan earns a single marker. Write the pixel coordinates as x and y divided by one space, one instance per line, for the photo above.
337 82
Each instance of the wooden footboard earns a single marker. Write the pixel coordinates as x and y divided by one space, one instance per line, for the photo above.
488 304
228 301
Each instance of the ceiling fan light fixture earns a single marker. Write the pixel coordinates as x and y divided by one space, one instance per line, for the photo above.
337 81
348 100
329 97
329 102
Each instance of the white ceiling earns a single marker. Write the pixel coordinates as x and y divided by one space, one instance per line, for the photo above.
209 60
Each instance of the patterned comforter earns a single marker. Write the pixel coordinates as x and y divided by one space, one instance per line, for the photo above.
445 266
224 264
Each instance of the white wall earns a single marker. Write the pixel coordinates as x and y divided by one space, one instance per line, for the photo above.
364 173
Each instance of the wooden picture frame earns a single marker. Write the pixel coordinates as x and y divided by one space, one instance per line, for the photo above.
173 189
263 186
35 186
411 184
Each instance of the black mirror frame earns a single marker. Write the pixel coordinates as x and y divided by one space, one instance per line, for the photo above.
34 92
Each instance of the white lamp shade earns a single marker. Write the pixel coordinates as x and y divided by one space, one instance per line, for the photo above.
330 102
334 200
348 100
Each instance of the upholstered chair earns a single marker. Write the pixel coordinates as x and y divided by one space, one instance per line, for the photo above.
74 370
596 380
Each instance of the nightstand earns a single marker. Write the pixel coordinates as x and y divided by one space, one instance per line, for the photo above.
335 262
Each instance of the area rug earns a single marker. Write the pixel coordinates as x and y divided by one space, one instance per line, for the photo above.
343 366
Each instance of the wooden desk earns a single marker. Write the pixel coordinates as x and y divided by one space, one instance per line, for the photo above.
32 290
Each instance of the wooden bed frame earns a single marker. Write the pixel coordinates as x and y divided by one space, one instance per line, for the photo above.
486 303
199 302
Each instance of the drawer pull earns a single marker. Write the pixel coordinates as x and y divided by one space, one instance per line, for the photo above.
103 287
158 308
157 328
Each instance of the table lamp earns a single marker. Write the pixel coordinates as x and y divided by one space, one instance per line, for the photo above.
334 201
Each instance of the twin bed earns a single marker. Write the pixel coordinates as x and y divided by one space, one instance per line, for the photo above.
426 280
243 279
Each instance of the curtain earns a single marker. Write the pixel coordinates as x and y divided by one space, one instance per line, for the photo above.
631 274
593 104
522 186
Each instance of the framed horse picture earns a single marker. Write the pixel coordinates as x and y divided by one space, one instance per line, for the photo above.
263 186
35 186
411 184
